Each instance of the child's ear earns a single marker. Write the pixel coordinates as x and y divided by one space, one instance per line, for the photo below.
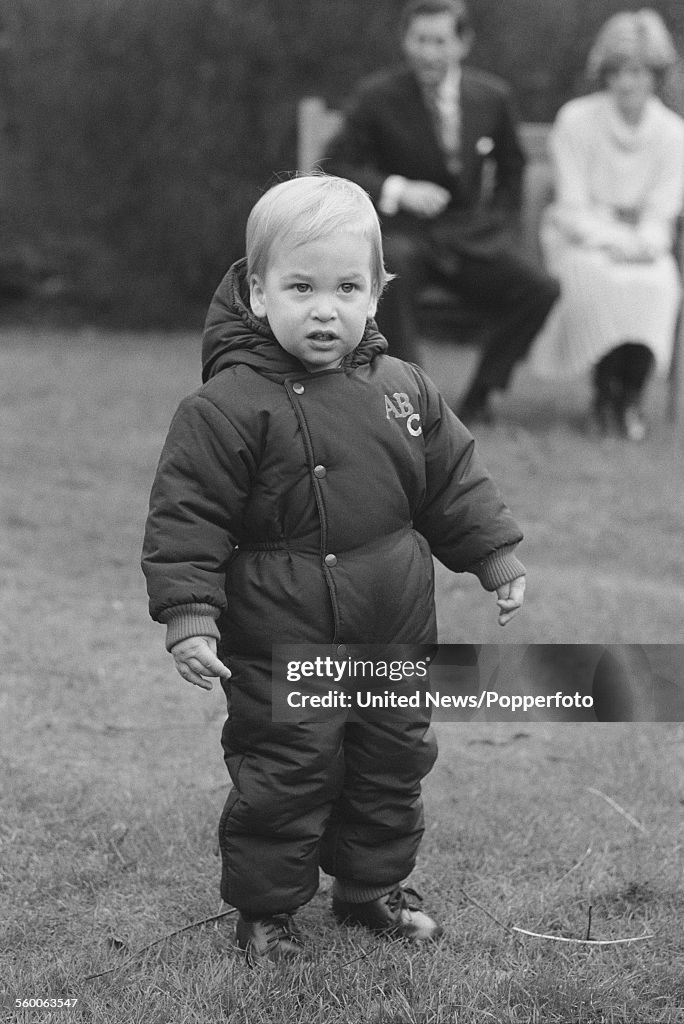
256 296
372 306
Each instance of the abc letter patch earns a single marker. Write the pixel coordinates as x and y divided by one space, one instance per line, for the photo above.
400 406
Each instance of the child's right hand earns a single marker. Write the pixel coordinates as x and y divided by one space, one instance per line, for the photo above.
197 662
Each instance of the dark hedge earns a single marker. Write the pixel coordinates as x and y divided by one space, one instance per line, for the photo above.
137 133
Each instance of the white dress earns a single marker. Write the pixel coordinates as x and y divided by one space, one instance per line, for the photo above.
612 181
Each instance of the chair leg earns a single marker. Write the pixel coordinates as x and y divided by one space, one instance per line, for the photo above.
673 379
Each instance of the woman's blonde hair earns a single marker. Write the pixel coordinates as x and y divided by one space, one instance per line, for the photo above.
309 207
628 35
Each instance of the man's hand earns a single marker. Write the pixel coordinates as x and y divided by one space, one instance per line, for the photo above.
510 597
196 661
424 198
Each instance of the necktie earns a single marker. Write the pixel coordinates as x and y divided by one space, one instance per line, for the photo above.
446 113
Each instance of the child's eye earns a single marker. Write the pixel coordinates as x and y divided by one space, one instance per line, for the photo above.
301 287
348 287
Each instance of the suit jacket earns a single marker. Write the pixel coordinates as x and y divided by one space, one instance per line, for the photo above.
388 130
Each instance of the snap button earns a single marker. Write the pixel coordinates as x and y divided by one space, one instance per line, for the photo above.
320 471
330 560
341 650
298 389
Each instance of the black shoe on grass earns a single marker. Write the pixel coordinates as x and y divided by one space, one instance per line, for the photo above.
273 938
391 914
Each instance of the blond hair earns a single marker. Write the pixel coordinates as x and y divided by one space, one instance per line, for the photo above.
629 35
306 208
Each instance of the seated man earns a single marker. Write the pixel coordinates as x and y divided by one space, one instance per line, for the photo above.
417 139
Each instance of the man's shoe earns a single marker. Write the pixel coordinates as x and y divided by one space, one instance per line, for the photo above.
274 938
475 408
391 914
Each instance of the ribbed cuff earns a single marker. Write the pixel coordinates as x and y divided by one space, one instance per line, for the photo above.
500 567
356 892
186 620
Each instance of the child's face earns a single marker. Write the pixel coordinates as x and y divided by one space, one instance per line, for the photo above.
317 297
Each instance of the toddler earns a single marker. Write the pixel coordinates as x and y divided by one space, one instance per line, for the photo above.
299 498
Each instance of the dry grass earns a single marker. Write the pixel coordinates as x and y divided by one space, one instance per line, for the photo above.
111 767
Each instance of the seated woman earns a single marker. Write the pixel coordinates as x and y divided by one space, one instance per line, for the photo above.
618 158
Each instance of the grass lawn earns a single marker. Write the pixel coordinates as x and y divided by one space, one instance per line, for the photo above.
111 778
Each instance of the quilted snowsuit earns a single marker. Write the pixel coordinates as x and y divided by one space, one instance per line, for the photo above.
295 507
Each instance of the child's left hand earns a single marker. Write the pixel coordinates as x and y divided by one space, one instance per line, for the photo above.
510 598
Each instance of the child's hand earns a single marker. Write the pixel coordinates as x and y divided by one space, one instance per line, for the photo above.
196 660
510 598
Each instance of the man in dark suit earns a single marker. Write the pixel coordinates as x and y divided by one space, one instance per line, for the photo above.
434 143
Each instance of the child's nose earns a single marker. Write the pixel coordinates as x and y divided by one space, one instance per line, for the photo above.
324 309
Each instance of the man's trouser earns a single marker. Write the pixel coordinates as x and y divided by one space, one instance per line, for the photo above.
491 274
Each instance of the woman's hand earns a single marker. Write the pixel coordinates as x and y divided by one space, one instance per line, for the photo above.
630 250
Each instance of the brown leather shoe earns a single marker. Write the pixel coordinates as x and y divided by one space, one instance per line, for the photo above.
392 914
274 938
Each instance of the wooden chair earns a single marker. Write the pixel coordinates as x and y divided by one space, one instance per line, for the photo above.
674 377
441 311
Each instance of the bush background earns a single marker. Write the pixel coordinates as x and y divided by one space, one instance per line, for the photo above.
136 134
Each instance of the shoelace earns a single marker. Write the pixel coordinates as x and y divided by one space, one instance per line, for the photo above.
280 926
397 899
286 926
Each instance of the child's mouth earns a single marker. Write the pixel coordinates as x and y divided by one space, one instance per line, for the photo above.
322 336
